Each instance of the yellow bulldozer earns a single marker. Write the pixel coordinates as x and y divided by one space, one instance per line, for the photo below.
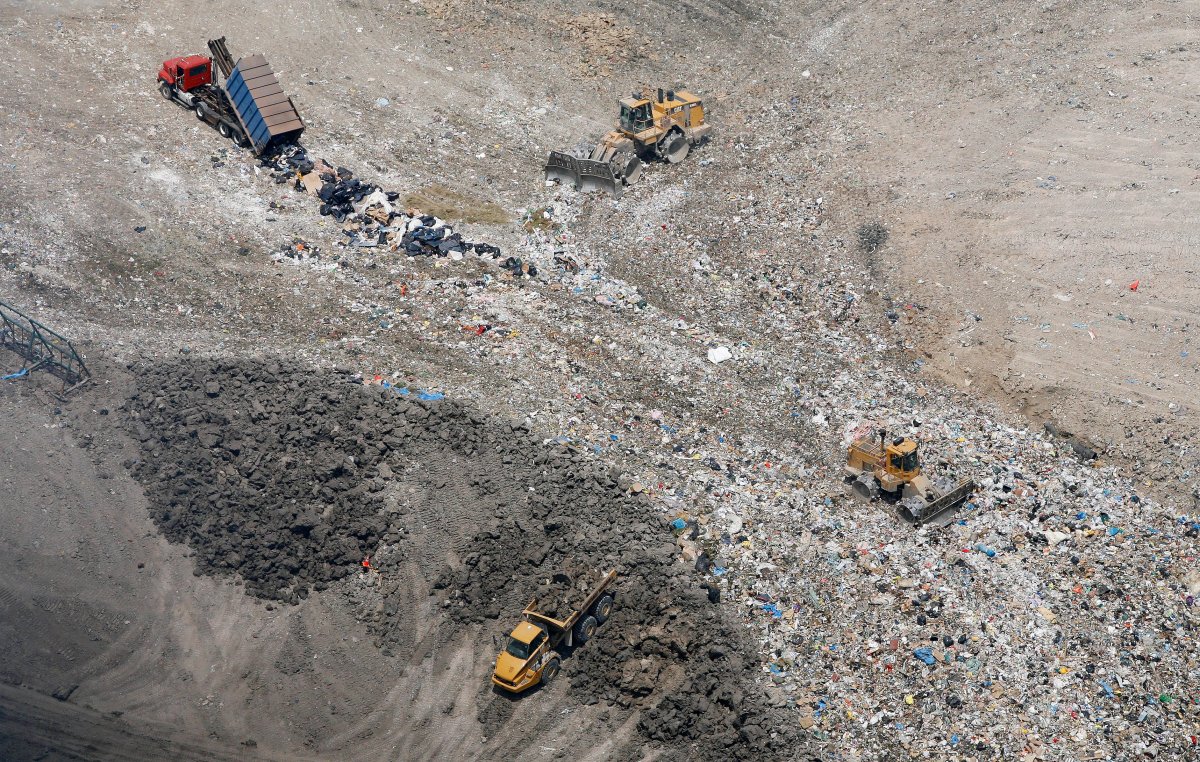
893 470
530 656
663 127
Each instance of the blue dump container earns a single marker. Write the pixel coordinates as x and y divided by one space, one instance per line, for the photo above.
267 114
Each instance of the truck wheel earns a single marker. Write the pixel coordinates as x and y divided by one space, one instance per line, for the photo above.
602 609
223 128
550 671
585 629
674 147
167 91
200 112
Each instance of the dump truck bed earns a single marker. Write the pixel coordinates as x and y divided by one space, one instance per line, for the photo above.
562 627
266 113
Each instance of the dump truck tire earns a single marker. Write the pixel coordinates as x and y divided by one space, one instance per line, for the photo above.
585 629
223 128
550 671
200 112
167 91
602 609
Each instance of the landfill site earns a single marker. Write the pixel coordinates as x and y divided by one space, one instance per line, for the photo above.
472 379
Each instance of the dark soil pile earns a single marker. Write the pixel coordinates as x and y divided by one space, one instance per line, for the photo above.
668 647
280 476
269 475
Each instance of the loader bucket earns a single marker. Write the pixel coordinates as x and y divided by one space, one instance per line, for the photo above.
562 167
599 175
940 510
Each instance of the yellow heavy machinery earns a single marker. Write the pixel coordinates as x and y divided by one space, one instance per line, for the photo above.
894 469
530 657
664 127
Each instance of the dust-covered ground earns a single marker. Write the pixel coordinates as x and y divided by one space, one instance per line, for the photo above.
1028 162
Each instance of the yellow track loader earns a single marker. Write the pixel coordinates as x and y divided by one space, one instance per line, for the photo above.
894 469
664 127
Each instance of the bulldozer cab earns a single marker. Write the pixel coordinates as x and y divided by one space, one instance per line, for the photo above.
902 460
636 115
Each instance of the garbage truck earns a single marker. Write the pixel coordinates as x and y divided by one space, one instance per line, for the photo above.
248 105
530 656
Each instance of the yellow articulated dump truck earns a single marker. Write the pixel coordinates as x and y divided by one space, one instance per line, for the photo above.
530 657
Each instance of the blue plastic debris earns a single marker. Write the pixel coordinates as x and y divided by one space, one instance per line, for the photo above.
989 552
718 571
1108 691
430 396
678 524
12 376
773 609
925 655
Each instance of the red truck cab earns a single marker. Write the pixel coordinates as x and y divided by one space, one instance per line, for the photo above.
187 72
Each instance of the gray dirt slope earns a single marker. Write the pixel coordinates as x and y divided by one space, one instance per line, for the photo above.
287 478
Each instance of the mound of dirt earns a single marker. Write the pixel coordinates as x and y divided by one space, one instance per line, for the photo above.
269 475
288 478
668 648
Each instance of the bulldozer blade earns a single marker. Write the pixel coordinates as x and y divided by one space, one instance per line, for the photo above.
599 175
563 167
940 511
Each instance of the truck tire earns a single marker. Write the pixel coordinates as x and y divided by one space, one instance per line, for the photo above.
223 128
585 630
167 91
602 609
201 112
550 671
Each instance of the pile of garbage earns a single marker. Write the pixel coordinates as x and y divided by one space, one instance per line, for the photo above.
1056 614
367 213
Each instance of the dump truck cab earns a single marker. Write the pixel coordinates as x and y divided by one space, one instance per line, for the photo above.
529 656
186 73
522 663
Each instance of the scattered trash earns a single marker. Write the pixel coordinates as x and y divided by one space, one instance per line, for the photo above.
718 355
